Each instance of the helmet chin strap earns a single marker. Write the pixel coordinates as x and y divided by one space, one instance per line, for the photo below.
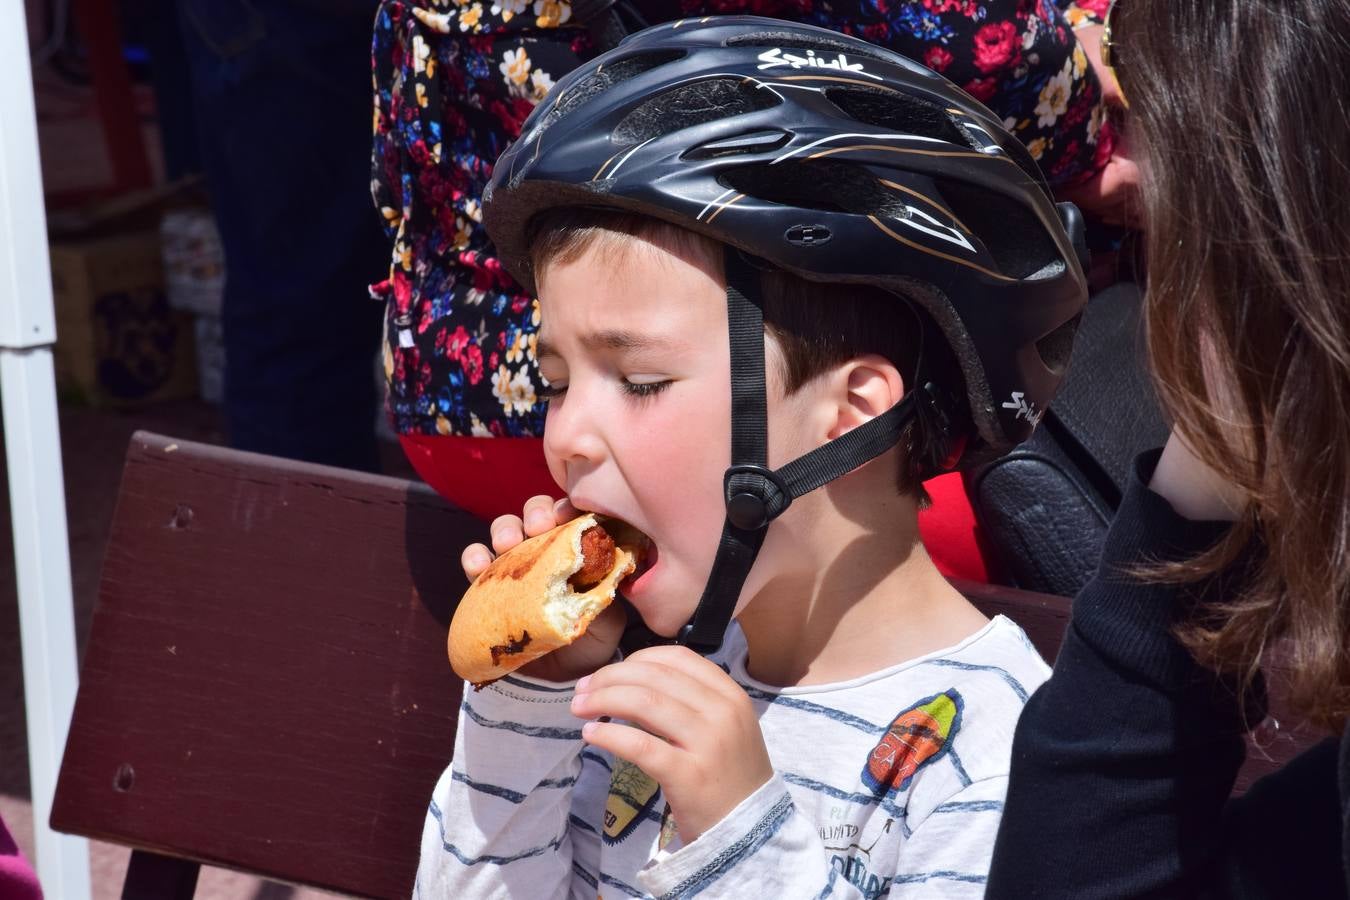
754 494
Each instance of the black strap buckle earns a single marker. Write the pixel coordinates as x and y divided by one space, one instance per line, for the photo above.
754 495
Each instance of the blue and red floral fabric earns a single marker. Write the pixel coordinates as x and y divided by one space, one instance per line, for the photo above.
455 79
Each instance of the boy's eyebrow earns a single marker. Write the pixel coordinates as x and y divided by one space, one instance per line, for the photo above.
611 339
615 339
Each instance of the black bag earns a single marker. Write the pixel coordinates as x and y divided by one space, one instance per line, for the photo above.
1045 507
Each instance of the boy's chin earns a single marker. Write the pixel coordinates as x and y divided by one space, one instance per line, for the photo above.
663 611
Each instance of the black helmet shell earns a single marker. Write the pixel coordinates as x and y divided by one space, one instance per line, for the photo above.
830 158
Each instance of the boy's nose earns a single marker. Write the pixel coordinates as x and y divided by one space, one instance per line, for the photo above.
571 433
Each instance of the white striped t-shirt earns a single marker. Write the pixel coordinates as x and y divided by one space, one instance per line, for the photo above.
890 785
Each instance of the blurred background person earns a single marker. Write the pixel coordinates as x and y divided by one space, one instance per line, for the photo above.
282 108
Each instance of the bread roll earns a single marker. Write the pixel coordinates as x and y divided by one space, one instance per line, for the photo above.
525 605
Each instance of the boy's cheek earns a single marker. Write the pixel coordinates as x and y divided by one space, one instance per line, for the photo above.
689 532
682 467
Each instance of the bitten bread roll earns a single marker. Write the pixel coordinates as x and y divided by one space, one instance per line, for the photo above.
540 595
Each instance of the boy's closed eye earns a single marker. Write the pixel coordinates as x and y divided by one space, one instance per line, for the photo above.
631 385
644 385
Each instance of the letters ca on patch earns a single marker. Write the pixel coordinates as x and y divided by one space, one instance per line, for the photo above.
915 738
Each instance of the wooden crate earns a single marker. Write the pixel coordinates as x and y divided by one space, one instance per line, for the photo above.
118 341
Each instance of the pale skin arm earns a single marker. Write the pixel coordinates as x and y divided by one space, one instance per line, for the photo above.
1195 490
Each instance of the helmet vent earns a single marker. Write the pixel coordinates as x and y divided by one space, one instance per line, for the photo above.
1013 235
822 185
692 104
1056 347
896 112
764 141
608 76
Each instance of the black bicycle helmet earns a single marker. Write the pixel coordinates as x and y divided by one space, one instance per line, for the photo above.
816 153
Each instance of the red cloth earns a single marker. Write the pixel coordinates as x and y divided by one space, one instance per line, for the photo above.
491 477
488 477
950 533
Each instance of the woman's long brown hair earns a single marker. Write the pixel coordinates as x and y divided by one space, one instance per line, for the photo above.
1239 108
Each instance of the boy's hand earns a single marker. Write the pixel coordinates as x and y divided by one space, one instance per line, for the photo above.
698 734
594 648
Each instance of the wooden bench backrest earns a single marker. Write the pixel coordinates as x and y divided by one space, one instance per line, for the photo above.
266 686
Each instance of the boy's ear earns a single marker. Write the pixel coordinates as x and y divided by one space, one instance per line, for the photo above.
862 389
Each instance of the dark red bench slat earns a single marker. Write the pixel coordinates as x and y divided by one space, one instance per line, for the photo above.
266 685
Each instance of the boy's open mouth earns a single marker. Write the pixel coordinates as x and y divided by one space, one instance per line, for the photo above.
631 539
646 561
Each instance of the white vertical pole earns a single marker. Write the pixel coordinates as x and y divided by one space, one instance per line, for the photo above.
33 449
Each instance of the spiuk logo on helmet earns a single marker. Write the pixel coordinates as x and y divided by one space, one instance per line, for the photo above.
775 57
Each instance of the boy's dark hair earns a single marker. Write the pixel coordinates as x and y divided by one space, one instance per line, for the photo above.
817 325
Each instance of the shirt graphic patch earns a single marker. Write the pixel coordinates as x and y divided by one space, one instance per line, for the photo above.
668 829
631 793
916 737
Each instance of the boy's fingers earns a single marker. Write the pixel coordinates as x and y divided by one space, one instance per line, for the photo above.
538 514
475 559
507 531
651 676
656 712
707 673
653 755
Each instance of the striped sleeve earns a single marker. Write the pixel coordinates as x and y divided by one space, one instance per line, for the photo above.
767 843
764 842
498 824
948 853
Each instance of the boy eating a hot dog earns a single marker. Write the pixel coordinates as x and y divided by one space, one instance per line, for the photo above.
783 277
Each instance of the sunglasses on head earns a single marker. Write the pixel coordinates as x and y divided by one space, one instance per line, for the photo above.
1111 51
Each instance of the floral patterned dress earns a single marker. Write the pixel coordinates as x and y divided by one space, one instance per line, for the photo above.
455 79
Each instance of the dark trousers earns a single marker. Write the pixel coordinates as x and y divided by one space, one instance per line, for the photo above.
283 109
